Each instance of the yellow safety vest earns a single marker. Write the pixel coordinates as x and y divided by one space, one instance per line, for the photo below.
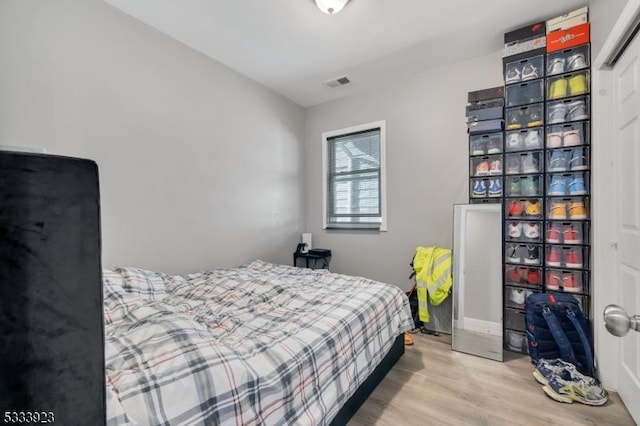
433 277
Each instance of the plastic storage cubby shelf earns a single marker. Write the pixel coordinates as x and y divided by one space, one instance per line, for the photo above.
547 174
568 60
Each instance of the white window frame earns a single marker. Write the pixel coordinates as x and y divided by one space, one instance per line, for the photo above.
383 171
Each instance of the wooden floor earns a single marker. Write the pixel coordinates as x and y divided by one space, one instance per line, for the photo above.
432 385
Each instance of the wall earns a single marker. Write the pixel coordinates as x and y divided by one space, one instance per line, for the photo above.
200 167
603 15
427 162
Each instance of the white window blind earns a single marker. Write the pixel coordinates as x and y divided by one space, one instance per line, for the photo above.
354 198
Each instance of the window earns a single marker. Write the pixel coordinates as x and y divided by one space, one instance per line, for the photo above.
354 194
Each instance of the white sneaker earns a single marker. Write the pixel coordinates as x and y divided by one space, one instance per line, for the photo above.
576 62
556 66
515 340
515 229
514 142
512 254
531 230
577 110
532 141
558 113
517 296
512 75
529 72
530 164
496 167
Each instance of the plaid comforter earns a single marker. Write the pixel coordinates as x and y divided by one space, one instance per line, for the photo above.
260 344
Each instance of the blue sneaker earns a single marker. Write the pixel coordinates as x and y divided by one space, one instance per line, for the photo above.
578 160
557 162
576 186
479 189
495 188
558 186
579 390
547 369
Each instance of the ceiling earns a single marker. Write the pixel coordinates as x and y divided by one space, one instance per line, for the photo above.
293 48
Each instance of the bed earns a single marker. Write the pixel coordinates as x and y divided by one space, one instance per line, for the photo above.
259 344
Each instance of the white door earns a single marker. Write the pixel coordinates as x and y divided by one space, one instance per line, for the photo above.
626 73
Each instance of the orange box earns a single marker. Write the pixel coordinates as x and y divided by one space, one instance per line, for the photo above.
564 39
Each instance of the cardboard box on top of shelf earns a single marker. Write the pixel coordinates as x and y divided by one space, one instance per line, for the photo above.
568 20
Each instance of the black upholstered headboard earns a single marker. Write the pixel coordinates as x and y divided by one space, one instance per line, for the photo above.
51 325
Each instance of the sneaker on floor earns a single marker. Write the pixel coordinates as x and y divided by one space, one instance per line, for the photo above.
546 369
579 390
408 339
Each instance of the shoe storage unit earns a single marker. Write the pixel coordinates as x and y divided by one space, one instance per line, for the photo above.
546 175
485 112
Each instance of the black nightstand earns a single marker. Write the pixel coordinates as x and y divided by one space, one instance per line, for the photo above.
320 258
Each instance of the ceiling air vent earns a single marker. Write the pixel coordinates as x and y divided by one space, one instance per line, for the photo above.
338 81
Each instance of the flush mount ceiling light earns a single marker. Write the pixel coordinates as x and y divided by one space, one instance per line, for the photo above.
331 7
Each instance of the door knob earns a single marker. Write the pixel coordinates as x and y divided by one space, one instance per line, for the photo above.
618 322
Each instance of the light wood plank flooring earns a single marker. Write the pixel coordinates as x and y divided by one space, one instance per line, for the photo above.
432 385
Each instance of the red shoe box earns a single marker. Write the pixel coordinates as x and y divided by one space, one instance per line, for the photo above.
563 39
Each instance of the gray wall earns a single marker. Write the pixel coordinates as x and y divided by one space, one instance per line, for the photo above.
427 162
200 167
603 15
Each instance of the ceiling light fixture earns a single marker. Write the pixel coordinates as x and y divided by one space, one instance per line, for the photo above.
331 7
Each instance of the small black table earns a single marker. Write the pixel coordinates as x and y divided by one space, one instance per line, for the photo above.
322 256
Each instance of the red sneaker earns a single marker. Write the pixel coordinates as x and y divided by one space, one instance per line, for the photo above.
553 234
553 256
570 284
533 277
573 258
553 281
514 275
571 235
516 208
